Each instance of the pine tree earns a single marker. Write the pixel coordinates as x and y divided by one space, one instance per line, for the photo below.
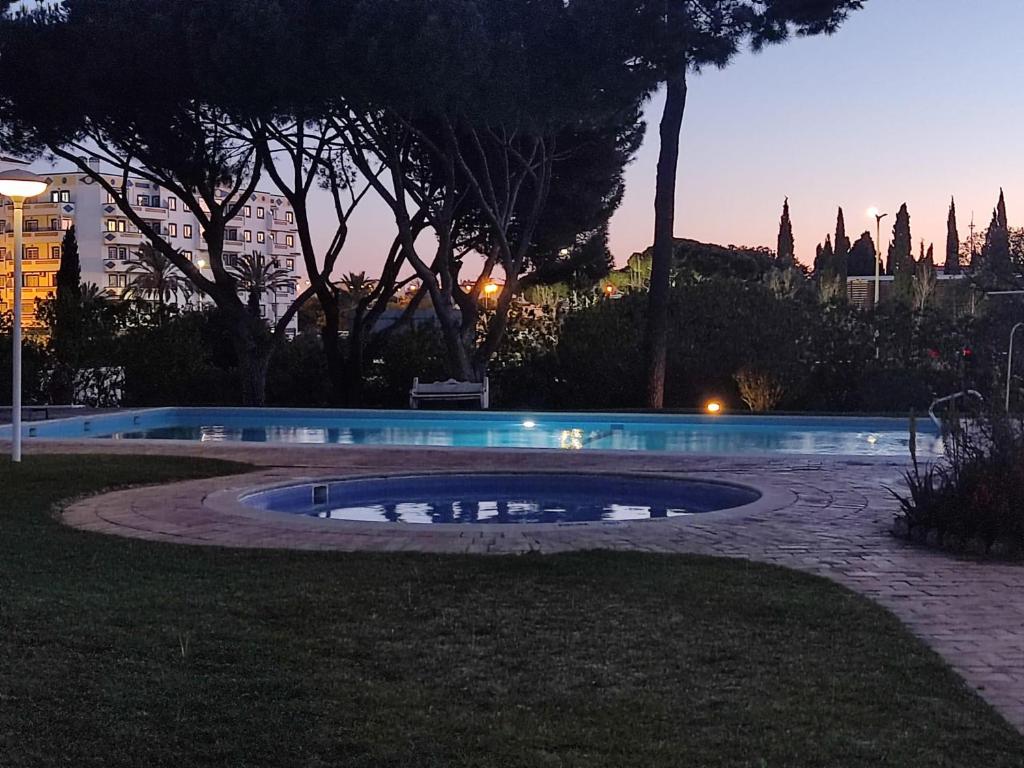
952 265
842 250
901 257
785 254
861 262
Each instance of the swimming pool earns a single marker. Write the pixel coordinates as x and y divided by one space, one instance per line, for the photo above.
503 498
728 434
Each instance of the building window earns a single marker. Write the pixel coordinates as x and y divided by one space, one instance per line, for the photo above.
112 252
261 237
172 229
154 201
3 226
231 259
186 230
172 203
31 253
60 196
290 263
231 234
116 225
260 213
142 200
187 255
247 211
31 225
117 280
289 240
122 253
289 217
248 235
55 225
3 254
54 251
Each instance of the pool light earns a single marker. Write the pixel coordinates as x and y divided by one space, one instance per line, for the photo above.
713 407
529 424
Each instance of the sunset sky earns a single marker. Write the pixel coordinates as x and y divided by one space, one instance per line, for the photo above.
913 100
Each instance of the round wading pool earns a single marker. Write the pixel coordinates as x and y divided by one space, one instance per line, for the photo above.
501 498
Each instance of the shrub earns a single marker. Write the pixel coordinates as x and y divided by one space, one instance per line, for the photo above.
976 493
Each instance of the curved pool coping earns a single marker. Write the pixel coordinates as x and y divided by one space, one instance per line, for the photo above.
229 502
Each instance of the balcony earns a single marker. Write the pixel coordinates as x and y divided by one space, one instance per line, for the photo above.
150 213
123 238
45 208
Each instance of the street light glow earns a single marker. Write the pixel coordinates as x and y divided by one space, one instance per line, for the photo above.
713 407
873 211
18 184
490 289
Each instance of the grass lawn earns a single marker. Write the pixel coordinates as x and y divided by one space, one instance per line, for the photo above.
123 653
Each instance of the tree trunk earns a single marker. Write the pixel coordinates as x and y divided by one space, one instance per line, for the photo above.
253 355
252 369
656 336
329 338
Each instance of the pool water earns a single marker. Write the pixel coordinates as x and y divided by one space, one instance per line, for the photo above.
726 434
504 498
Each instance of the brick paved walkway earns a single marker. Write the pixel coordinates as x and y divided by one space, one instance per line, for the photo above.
827 517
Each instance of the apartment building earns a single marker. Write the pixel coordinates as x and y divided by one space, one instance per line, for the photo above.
107 240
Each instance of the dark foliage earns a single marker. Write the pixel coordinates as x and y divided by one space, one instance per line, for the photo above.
974 499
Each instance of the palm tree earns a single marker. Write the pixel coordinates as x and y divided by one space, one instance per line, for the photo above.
154 277
92 294
257 275
356 285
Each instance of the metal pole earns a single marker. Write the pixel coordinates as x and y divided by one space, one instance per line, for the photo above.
16 343
878 255
1009 364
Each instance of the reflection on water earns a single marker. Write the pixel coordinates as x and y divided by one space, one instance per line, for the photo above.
474 510
686 437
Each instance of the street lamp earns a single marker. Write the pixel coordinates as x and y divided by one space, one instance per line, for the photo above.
878 248
18 185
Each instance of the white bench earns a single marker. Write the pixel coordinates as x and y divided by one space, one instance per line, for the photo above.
449 390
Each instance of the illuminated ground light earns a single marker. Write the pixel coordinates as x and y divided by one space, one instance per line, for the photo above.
713 407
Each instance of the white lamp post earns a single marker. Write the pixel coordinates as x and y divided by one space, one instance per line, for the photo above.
18 185
878 248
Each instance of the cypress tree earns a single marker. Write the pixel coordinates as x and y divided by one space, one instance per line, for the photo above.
861 261
842 250
69 275
66 333
995 253
785 254
952 265
901 257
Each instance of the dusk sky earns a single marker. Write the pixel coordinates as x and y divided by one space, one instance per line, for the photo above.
913 100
